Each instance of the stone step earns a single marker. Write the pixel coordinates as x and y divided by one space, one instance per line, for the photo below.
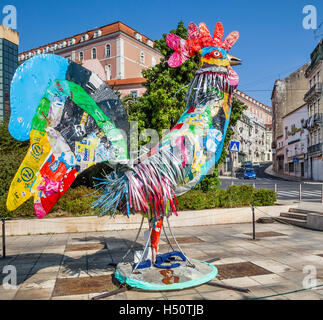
296 222
299 216
304 211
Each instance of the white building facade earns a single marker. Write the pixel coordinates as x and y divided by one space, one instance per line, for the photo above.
255 139
295 143
255 142
314 125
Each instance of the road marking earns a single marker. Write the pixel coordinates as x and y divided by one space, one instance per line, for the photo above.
306 194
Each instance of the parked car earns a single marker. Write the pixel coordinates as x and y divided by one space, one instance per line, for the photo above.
250 173
256 164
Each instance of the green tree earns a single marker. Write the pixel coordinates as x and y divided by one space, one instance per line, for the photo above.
163 102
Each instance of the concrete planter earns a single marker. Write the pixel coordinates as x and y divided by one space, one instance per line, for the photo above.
314 221
93 223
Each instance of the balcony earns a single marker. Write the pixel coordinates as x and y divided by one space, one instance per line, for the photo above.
315 91
313 121
314 148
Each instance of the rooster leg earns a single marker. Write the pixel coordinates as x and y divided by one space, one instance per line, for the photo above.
156 226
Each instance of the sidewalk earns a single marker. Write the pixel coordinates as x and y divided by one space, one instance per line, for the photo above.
75 266
311 206
272 173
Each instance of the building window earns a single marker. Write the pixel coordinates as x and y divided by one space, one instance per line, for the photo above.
318 105
97 33
319 135
81 56
71 41
108 71
84 37
108 51
134 93
94 53
142 57
138 36
150 43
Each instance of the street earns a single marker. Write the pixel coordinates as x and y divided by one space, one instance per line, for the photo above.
286 190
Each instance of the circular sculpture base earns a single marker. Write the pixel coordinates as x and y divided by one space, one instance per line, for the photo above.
158 279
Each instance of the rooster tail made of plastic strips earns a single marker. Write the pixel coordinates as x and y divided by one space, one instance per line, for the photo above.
147 188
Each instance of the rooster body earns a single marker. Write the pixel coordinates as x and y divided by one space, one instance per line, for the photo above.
79 122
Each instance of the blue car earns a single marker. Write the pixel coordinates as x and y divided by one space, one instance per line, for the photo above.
250 174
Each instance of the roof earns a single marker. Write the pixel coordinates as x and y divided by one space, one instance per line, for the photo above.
105 30
9 34
120 82
290 112
252 100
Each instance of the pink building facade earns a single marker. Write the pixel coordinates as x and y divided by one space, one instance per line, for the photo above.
115 52
258 109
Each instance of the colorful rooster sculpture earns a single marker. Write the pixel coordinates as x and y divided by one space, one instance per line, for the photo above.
74 120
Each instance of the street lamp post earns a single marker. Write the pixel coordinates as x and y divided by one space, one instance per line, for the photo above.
3 238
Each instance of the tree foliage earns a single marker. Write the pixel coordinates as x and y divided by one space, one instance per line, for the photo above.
163 102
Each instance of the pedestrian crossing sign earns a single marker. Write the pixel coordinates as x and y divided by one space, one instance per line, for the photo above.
234 146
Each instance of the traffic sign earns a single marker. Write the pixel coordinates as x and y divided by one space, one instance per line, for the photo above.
234 146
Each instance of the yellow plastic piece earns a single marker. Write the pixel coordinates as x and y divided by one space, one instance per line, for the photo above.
25 182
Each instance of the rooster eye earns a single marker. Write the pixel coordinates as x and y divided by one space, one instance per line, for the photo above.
217 54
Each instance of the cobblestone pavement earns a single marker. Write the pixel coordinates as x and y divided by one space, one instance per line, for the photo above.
76 266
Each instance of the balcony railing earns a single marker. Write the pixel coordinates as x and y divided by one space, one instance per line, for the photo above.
314 148
316 90
313 121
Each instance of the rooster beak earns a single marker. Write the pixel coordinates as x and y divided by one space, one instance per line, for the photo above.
233 60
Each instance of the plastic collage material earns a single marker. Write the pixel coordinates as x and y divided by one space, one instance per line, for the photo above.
77 121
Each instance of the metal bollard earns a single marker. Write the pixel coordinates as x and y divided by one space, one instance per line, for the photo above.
3 238
253 224
276 187
300 192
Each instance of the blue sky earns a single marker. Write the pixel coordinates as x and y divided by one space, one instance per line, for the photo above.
272 43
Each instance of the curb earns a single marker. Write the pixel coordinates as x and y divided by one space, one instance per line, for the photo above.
106 223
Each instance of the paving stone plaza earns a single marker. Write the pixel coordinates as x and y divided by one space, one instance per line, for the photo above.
76 265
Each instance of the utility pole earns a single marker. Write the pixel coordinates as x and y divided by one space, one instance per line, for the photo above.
253 223
232 166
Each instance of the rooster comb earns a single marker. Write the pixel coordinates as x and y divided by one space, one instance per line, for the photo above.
198 37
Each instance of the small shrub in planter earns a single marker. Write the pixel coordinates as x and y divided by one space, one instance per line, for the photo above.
233 197
264 197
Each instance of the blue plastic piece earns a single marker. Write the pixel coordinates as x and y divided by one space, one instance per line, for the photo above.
161 258
142 265
27 89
